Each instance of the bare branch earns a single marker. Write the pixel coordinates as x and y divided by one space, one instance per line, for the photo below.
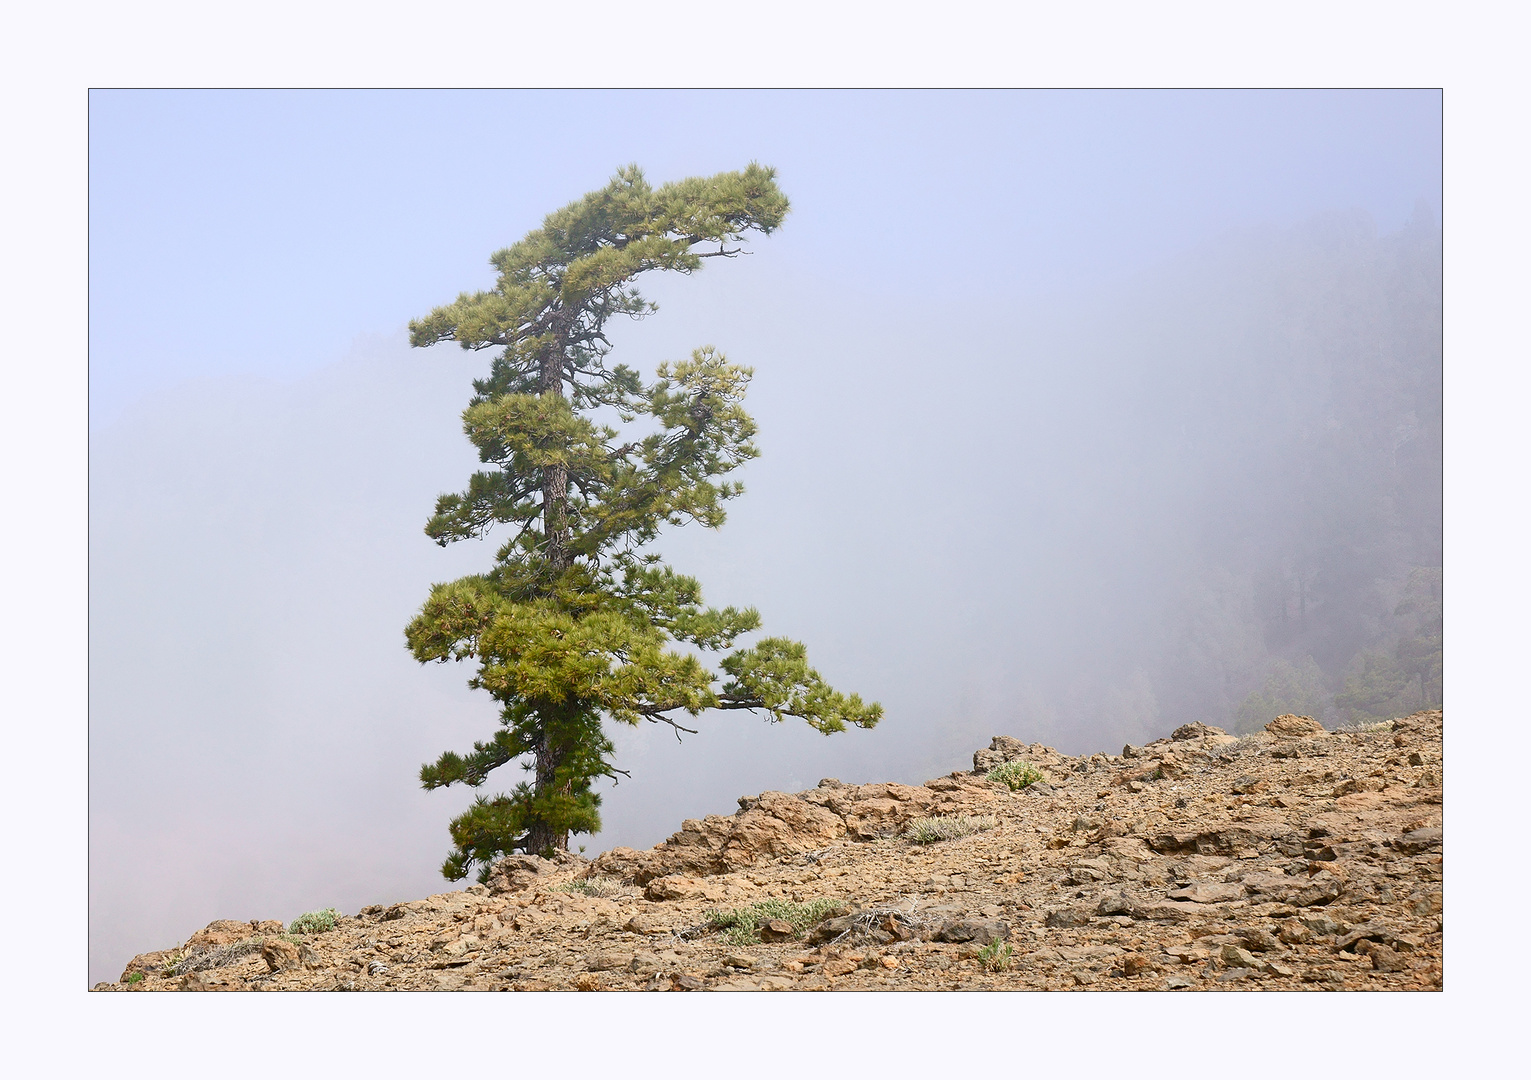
661 718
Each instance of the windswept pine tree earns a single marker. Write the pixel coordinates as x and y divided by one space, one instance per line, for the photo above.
571 627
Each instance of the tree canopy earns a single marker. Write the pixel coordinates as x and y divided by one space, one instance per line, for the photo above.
573 624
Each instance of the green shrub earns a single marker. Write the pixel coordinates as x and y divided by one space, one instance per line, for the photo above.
134 977
314 922
1016 775
948 827
741 926
591 886
995 956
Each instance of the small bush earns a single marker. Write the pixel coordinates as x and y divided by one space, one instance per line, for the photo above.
134 977
948 827
741 926
995 956
1016 775
314 922
591 886
220 956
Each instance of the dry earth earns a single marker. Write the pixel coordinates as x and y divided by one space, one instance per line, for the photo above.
1292 859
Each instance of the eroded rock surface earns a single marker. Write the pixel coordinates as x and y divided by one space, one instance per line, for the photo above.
1292 859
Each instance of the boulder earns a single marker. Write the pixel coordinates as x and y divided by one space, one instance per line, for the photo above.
830 929
1068 917
981 931
1288 726
1383 958
1002 749
777 930
280 955
1194 730
517 872
673 887
223 932
1418 841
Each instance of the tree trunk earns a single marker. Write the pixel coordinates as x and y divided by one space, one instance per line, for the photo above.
555 480
542 836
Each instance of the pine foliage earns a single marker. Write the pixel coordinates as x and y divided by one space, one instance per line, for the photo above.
572 627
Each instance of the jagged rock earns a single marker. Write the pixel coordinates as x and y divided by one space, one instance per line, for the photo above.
1324 889
644 963
1257 940
1293 932
830 929
1236 957
199 980
777 930
1120 904
1067 917
1429 903
1194 730
1324 926
1374 931
1135 964
1209 892
1382 957
280 955
1288 726
674 887
516 872
1002 749
979 931
225 932
1412 843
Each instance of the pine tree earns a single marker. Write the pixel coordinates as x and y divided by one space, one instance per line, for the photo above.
569 628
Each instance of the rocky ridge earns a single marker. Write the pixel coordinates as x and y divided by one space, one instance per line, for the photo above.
1294 859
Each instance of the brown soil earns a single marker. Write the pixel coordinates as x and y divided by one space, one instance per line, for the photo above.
1293 859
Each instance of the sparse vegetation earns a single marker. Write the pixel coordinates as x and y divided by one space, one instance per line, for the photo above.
948 827
134 977
1016 775
741 926
220 956
314 922
592 886
995 956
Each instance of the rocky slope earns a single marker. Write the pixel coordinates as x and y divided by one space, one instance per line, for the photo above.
1293 859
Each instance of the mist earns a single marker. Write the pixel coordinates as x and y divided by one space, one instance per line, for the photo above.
1200 480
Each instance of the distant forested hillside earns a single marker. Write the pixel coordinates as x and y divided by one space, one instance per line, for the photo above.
1309 414
1212 493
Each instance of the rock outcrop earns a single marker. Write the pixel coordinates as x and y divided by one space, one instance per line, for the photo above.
1294 858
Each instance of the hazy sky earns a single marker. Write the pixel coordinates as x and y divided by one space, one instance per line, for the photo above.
262 232
972 299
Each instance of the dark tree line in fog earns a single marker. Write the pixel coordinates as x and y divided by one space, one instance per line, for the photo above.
1295 387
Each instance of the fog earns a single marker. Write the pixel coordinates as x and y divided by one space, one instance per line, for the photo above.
1192 475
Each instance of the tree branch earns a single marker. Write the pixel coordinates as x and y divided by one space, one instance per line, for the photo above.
661 718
